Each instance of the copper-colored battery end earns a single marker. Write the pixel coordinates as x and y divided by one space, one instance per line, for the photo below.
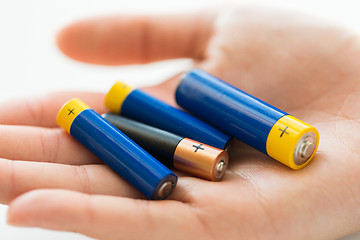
200 160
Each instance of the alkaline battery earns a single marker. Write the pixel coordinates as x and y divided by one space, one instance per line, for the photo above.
260 125
184 154
137 105
118 151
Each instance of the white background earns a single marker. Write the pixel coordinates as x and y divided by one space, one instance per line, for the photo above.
31 63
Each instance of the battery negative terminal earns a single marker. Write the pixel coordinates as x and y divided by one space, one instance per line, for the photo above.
165 189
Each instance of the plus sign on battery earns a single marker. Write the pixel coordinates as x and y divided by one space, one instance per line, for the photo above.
198 147
71 111
283 131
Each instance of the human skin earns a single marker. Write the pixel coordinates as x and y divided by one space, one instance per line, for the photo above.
303 66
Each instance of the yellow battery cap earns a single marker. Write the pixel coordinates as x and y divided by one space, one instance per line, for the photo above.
69 112
116 96
292 142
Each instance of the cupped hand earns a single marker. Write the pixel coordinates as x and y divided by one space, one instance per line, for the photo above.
300 65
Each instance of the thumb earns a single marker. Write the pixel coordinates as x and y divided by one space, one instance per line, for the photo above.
134 39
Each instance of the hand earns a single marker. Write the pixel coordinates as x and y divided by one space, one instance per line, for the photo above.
304 67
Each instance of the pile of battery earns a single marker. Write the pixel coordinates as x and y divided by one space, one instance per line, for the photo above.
143 137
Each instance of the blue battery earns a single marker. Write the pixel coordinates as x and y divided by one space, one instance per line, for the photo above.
137 105
234 111
119 152
251 120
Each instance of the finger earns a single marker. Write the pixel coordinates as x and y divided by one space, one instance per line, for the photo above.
129 39
18 177
105 217
43 145
41 110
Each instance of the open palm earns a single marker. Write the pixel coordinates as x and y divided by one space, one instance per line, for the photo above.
306 68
